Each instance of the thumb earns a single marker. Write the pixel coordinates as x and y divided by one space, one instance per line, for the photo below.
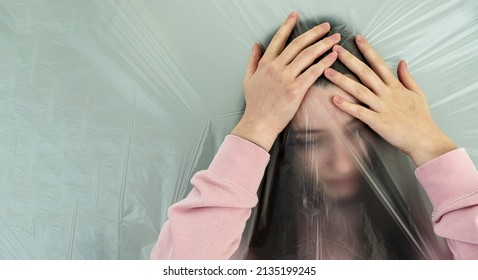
406 78
253 61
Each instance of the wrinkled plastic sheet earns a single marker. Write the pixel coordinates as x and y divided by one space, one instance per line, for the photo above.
109 107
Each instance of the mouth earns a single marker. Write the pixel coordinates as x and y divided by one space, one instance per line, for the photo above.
341 182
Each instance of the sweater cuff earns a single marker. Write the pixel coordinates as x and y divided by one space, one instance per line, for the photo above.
448 177
240 162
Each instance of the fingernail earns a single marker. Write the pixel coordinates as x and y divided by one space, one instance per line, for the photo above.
338 49
338 100
405 63
335 37
293 14
325 25
330 72
360 38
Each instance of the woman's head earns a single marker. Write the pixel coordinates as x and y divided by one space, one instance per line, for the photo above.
327 142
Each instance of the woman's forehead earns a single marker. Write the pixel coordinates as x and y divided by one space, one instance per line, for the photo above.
317 108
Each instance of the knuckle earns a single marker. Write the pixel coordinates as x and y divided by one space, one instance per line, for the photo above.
386 126
291 89
361 90
296 43
321 47
396 85
331 58
271 69
308 53
262 63
317 31
316 70
308 38
369 72
329 40
359 111
281 33
388 90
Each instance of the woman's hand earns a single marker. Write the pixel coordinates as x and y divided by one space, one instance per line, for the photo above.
275 83
396 109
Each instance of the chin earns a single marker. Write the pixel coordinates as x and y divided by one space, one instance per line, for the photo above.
343 193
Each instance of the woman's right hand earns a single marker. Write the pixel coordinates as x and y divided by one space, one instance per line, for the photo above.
275 83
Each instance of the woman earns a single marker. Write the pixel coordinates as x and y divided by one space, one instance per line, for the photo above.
209 223
331 194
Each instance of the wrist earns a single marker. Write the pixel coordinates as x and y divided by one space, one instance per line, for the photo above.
255 133
432 149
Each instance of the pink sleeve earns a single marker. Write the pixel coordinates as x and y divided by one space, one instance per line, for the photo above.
451 182
209 222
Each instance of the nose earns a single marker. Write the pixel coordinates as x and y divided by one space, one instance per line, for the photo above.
341 161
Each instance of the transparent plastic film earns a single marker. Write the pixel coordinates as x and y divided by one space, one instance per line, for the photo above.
335 189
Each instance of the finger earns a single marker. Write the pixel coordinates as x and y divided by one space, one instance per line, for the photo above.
354 88
280 38
310 54
303 41
307 79
253 61
406 78
368 77
375 60
355 110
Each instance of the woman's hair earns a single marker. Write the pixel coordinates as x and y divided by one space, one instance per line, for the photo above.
386 223
347 41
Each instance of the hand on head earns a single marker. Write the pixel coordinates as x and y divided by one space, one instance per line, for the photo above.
275 83
396 109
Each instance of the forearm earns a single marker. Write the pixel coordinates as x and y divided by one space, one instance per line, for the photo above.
202 227
451 182
208 224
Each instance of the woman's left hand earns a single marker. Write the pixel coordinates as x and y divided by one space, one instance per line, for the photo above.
396 109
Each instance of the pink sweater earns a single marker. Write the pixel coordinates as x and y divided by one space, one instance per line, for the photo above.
209 222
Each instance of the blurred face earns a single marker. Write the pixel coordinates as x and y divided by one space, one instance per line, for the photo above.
326 140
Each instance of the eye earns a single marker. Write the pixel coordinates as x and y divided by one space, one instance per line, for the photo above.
305 142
